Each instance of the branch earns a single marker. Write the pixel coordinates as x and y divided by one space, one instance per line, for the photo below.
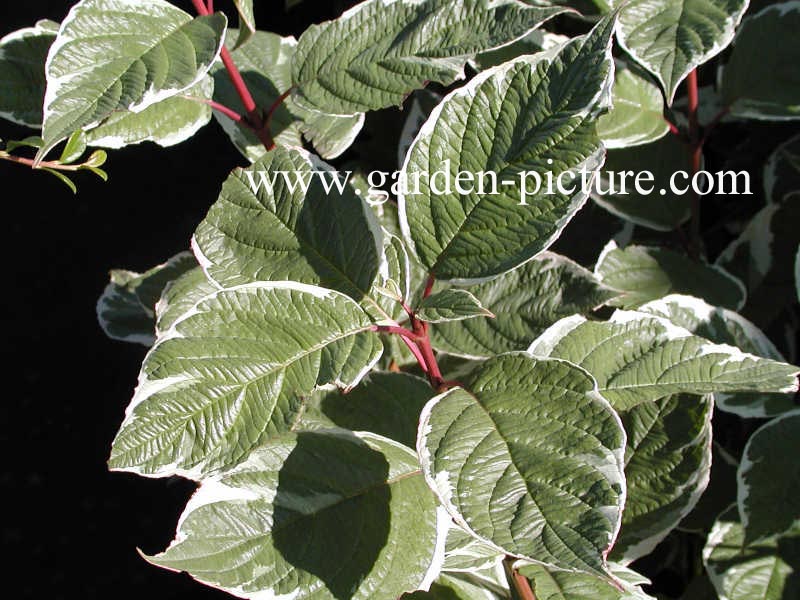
253 116
228 112
429 286
55 165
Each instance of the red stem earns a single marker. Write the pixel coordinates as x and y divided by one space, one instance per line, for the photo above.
521 584
253 116
673 129
29 162
401 331
429 286
210 5
228 112
280 100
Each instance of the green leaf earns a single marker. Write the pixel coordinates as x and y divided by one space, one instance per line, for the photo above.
265 63
393 286
420 107
74 148
662 158
22 80
165 123
464 553
276 234
645 273
396 47
769 477
549 584
32 141
452 587
667 469
180 295
760 79
388 404
267 527
637 115
529 460
62 177
126 309
534 42
247 21
112 56
717 497
534 114
525 302
782 170
232 371
670 38
638 358
764 571
763 258
451 305
723 326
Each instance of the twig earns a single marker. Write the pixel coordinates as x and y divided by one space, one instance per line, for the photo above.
253 116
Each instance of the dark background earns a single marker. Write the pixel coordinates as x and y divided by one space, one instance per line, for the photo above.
70 528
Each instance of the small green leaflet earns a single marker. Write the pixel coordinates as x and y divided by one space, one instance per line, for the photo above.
451 305
397 46
282 232
550 584
122 55
126 309
763 257
723 326
533 114
638 358
529 460
637 115
767 570
388 404
645 273
662 158
232 372
769 477
760 79
266 527
670 38
22 80
525 302
165 123
667 469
